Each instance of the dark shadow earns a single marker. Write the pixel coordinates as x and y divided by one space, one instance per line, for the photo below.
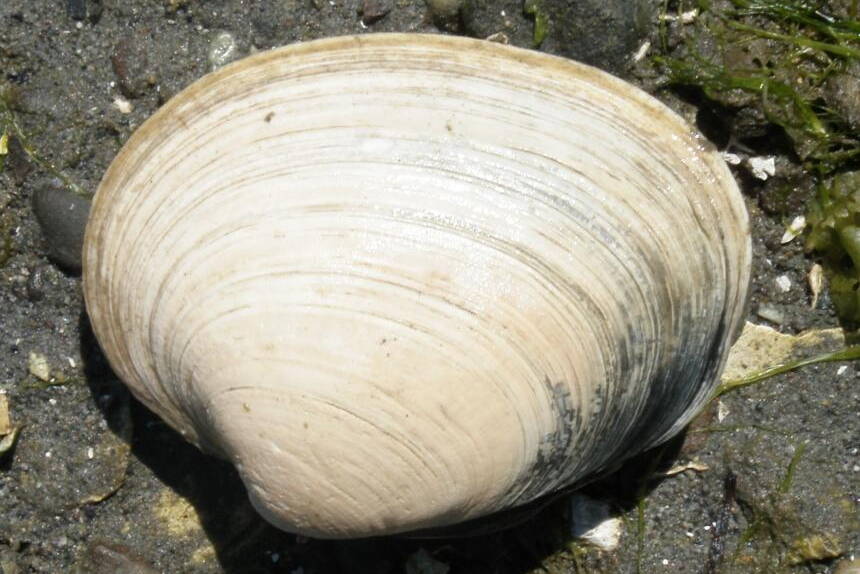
511 543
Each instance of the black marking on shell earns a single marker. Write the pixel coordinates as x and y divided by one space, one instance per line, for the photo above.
554 452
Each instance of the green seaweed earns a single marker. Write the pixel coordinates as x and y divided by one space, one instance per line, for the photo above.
808 47
776 537
640 532
534 9
834 234
805 46
11 128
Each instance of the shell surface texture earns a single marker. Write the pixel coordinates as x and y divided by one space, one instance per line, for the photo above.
405 281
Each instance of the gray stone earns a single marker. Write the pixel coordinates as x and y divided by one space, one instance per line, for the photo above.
62 215
445 13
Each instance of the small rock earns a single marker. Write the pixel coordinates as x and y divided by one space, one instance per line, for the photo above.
38 282
130 60
783 283
498 38
173 6
84 10
731 158
62 215
445 13
76 9
123 105
222 50
770 313
373 11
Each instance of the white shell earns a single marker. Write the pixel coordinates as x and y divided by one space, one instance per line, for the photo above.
403 281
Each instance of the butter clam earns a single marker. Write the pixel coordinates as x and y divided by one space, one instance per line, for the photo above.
405 281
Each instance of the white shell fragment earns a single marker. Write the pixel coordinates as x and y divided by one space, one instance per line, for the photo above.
816 283
762 167
591 522
795 228
405 281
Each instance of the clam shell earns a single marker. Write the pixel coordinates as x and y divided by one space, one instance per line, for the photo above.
404 281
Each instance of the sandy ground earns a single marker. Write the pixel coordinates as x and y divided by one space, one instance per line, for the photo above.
96 483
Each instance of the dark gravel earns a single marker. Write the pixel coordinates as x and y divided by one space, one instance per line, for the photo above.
98 484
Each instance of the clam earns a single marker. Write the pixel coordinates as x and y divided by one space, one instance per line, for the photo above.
406 281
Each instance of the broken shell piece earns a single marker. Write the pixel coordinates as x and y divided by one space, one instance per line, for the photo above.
762 167
795 228
590 521
8 431
694 465
38 366
816 283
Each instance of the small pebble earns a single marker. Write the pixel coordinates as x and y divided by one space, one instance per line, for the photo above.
444 9
37 283
84 10
62 215
498 38
222 50
130 61
373 11
783 283
731 158
76 9
123 105
770 313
